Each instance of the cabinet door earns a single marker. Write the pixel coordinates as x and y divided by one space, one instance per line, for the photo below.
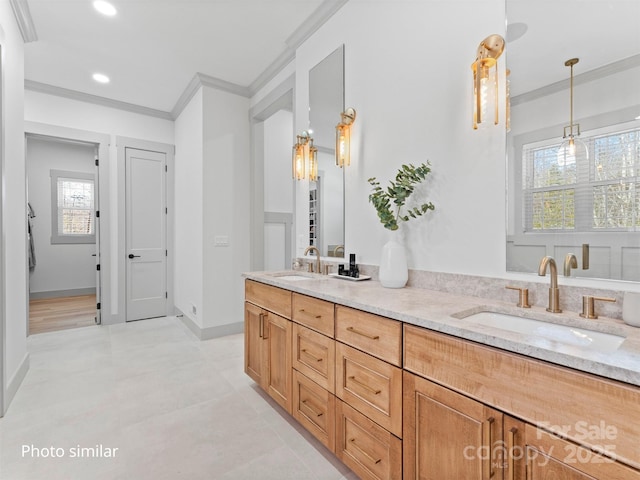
447 435
254 349
277 333
549 457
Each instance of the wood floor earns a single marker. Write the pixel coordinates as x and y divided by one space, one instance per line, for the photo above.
51 314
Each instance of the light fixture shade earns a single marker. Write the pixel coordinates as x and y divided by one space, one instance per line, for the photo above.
298 162
485 81
343 138
313 162
343 145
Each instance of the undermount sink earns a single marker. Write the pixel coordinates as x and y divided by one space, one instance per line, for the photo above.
293 278
563 334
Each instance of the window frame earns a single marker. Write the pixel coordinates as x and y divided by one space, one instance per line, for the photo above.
583 186
57 237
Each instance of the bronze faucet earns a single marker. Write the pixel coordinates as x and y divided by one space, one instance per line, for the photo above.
311 248
554 293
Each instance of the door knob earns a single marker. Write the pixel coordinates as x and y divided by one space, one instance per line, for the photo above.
131 255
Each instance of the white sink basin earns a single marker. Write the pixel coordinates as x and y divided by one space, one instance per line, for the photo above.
293 278
562 334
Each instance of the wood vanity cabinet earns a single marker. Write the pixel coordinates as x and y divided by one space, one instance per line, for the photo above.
466 385
267 339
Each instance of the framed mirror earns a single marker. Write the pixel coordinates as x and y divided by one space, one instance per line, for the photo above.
586 205
326 195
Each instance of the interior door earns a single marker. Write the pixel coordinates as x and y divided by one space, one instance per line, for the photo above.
96 202
146 227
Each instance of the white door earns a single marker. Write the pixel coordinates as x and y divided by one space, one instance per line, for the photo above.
96 203
146 225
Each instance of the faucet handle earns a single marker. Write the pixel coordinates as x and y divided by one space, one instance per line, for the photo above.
326 268
588 305
310 267
523 297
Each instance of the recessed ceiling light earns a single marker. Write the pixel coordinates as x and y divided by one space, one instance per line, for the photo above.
105 8
100 78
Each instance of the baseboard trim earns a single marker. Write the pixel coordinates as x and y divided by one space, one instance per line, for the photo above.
74 292
210 332
14 383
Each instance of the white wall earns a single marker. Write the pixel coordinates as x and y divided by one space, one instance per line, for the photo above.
278 182
226 206
189 218
407 74
58 266
13 206
63 112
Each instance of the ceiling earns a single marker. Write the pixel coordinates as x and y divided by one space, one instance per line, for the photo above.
543 34
152 49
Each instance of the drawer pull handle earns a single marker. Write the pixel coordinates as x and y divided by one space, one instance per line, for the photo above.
511 440
308 404
487 434
364 334
364 385
304 350
302 311
352 441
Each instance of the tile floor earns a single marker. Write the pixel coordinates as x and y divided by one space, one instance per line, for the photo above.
173 406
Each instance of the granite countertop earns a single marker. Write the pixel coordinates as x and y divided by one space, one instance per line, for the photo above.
444 312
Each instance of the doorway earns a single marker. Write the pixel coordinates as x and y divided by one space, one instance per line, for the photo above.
272 192
63 233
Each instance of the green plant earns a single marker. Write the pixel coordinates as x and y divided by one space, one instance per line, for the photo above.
397 193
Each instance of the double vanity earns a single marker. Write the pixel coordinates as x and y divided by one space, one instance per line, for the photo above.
415 383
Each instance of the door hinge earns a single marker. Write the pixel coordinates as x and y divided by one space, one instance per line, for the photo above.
97 213
98 267
98 306
97 162
166 294
166 253
166 211
166 169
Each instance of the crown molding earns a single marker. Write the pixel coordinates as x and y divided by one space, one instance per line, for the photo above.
319 17
202 80
595 74
95 99
25 22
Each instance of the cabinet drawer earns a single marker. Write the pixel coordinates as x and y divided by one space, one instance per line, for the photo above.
371 386
314 408
314 313
369 450
314 355
274 299
370 333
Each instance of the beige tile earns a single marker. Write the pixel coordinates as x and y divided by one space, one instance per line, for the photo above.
175 407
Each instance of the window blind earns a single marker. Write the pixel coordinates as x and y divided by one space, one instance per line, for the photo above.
75 206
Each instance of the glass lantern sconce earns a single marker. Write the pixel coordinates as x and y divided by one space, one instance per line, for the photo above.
299 157
343 137
485 80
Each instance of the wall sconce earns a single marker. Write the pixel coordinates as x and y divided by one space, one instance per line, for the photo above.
299 157
571 147
313 162
343 137
485 79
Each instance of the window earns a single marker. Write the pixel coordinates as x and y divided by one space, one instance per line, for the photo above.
72 207
602 193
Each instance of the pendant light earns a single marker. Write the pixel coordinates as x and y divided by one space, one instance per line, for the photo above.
572 148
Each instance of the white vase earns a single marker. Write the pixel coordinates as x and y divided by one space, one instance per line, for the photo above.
393 272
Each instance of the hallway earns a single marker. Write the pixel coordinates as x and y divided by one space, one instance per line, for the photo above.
163 404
